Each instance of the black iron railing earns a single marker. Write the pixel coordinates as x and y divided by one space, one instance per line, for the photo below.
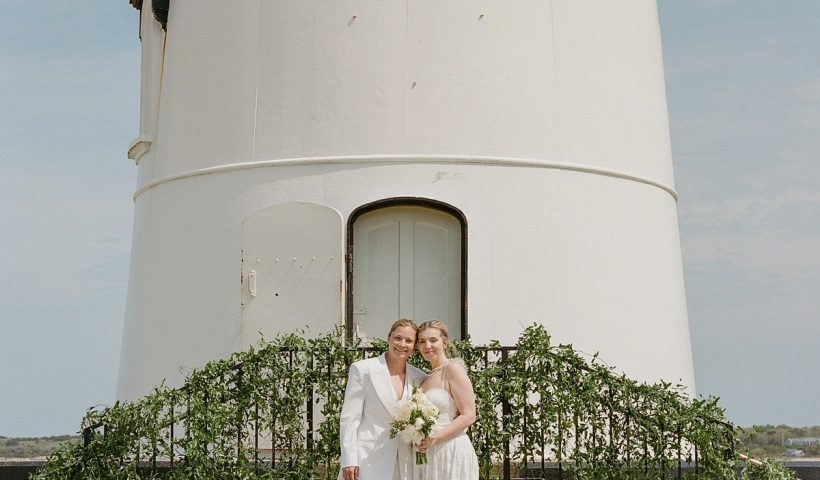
535 420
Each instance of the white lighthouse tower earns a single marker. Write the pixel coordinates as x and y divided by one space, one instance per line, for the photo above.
488 164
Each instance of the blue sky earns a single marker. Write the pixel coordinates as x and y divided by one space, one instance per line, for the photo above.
743 87
743 82
69 106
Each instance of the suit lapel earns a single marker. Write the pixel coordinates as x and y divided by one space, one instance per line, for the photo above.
415 377
381 383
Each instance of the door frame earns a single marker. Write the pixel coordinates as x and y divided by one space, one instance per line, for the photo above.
402 202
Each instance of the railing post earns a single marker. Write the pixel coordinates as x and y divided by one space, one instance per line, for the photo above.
171 433
187 416
256 435
611 430
241 414
663 450
87 433
273 425
645 455
309 407
505 412
330 381
290 439
542 402
560 435
258 374
206 400
628 449
576 436
86 436
680 452
729 435
154 456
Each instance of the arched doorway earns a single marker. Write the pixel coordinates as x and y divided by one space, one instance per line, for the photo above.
406 259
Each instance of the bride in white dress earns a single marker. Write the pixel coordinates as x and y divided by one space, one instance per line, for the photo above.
450 455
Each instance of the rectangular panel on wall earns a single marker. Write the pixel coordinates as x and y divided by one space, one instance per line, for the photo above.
292 270
437 272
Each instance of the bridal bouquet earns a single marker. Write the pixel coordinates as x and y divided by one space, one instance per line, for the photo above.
416 418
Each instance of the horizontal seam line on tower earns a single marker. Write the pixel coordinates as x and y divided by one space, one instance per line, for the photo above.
398 158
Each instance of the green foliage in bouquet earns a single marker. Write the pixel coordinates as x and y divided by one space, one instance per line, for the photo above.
249 417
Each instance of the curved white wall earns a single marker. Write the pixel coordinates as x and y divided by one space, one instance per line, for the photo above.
544 124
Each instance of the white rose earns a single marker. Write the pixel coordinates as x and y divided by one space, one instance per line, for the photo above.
403 413
419 422
409 434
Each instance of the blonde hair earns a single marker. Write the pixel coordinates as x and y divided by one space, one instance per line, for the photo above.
402 323
438 325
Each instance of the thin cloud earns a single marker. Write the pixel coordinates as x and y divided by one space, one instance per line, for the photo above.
802 206
809 90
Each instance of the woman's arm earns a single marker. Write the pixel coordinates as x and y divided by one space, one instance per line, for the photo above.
351 418
462 391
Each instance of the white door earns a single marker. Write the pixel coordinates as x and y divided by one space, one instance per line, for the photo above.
292 270
406 264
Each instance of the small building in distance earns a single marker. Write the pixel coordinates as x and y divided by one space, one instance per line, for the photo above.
802 441
793 452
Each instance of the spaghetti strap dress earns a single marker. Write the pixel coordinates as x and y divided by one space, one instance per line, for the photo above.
454 459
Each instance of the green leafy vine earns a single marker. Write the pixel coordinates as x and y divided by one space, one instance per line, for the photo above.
272 412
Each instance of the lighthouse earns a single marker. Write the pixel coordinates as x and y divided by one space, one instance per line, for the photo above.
314 164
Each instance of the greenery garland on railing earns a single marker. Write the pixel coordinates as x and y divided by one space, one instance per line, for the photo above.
535 402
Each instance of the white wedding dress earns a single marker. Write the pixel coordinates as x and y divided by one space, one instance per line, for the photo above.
454 459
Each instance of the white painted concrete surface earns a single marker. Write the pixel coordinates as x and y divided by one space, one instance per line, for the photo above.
545 124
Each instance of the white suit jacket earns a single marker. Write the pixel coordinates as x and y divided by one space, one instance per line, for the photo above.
369 408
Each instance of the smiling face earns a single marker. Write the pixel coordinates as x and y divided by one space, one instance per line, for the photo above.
401 342
432 345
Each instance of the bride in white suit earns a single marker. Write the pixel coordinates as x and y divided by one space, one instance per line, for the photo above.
374 387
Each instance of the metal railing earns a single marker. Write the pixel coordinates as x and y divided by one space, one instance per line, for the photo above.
538 440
